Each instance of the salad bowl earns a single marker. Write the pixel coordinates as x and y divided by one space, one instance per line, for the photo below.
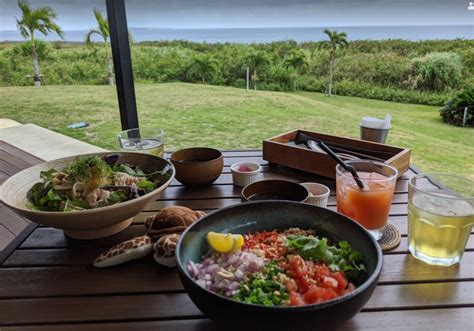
261 216
85 223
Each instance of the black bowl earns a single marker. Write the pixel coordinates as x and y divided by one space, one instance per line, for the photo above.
268 215
274 189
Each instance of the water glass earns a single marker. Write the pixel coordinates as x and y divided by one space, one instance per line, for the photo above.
147 140
369 206
440 217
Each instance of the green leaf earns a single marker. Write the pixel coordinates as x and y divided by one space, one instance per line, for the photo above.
129 170
116 196
146 185
338 258
48 175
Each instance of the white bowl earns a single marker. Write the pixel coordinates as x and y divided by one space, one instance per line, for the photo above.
243 178
319 194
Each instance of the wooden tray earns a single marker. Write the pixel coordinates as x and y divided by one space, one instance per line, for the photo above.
282 150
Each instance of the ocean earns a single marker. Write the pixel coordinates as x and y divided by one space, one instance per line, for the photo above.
265 35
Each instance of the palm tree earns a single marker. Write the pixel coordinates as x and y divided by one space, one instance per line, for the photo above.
337 40
203 67
255 61
102 31
297 62
32 20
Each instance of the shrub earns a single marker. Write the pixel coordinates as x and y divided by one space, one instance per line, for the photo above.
43 49
371 69
370 91
453 110
436 71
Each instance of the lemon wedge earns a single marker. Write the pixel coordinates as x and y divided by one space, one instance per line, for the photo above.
225 242
220 242
238 242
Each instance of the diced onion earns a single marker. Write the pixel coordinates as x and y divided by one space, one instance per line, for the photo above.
239 265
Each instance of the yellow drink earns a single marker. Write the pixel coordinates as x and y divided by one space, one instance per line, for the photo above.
148 146
438 231
148 141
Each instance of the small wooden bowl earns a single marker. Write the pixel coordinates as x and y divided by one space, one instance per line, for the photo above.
274 190
198 166
86 224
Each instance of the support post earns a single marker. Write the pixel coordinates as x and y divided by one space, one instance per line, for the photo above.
119 42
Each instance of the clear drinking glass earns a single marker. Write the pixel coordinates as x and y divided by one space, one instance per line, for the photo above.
440 217
369 206
149 141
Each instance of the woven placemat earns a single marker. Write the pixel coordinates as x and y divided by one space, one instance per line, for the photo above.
390 239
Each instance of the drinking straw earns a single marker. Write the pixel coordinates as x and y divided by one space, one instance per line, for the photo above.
346 166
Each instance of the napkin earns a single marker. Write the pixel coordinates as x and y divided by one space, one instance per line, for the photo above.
376 123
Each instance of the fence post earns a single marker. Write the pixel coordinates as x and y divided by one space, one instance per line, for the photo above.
248 77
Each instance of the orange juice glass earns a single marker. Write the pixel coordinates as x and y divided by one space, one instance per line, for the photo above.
369 206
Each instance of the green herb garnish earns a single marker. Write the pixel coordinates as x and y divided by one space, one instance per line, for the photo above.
87 168
146 185
262 287
339 258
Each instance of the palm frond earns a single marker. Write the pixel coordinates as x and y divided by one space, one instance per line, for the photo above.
40 19
23 29
89 34
24 7
102 23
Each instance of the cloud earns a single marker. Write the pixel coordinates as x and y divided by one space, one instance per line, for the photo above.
77 14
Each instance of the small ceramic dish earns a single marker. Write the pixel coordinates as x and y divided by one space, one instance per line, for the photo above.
199 166
273 189
318 194
244 173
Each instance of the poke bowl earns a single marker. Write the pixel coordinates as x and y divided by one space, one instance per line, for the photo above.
88 196
240 306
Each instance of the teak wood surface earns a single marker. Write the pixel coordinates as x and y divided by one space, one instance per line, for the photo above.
48 282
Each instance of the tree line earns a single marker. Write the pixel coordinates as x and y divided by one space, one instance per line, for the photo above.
419 72
42 20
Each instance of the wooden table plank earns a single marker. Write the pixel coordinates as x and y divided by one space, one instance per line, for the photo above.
6 237
75 309
84 279
411 320
131 278
13 228
17 153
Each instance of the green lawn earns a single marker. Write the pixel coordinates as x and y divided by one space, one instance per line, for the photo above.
229 118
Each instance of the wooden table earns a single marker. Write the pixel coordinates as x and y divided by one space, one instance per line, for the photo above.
13 228
48 282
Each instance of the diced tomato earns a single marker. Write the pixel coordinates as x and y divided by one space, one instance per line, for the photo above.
341 279
317 294
296 299
330 282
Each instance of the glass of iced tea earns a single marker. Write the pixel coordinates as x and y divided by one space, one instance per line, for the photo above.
440 217
146 140
369 206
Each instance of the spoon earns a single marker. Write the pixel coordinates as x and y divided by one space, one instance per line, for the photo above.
346 166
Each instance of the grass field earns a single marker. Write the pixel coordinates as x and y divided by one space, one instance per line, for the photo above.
229 118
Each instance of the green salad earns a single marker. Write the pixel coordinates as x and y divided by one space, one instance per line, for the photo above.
92 182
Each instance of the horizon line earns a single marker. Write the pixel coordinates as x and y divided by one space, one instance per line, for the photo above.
270 27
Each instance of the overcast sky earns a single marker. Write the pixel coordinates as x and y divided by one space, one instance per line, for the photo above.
77 14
